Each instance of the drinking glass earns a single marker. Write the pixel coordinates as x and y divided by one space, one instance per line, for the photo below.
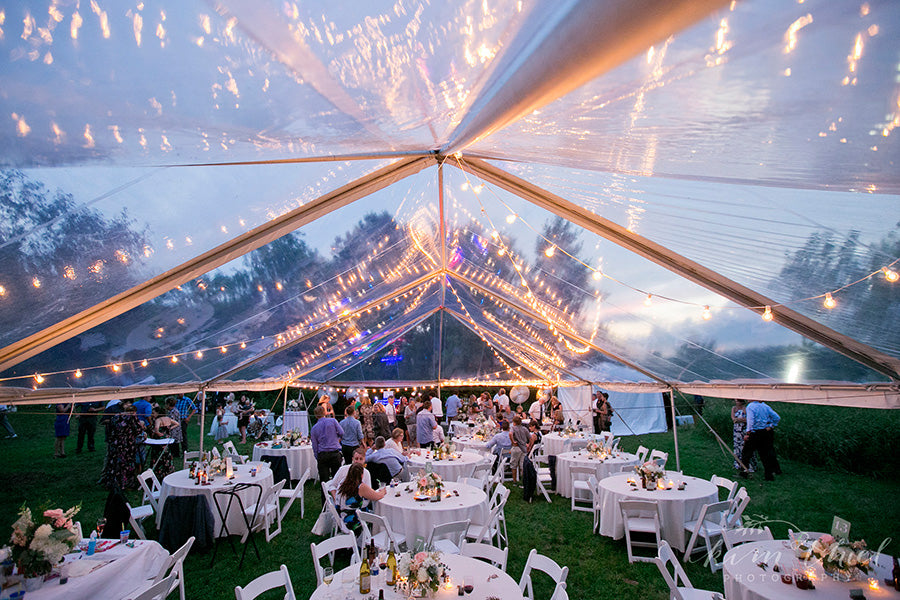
327 575
468 584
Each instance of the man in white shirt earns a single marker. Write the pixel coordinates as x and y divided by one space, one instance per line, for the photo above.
502 400
437 408
538 410
390 411
359 457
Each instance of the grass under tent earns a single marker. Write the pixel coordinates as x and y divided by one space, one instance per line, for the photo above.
806 497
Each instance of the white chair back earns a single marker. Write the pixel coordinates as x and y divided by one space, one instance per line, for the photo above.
337 521
292 494
640 516
728 486
328 547
492 554
665 560
377 527
151 488
739 505
559 592
642 453
264 583
448 537
660 457
539 562
158 590
742 535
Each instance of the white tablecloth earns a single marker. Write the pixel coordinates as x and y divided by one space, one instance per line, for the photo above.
471 444
501 585
675 506
449 470
296 420
130 570
414 518
298 457
744 580
555 444
602 469
230 424
179 484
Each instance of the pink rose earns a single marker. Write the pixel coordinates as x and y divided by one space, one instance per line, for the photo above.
420 557
827 539
54 514
62 523
423 482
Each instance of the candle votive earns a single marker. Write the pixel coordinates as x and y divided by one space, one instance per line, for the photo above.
873 583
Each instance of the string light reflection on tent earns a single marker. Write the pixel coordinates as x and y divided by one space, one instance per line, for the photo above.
829 301
648 300
706 314
767 315
890 274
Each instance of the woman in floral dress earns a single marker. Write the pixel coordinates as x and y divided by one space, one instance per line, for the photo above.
367 420
739 418
121 450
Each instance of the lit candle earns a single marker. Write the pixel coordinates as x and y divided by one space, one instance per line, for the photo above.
229 468
873 583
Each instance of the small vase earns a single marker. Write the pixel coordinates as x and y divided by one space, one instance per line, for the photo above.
841 574
34 583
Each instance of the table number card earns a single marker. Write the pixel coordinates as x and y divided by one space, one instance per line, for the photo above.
840 529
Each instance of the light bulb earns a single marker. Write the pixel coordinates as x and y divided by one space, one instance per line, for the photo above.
174 359
200 354
511 219
648 300
767 315
550 251
706 314
890 274
78 373
243 345
144 363
223 349
116 368
39 378
829 301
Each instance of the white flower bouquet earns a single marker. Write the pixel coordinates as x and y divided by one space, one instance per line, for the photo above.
422 570
841 558
38 547
429 483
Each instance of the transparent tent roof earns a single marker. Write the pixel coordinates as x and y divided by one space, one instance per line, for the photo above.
434 193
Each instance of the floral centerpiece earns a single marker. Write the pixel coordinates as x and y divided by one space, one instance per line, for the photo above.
292 438
569 430
423 571
650 473
597 449
842 559
445 450
38 546
429 484
483 432
293 405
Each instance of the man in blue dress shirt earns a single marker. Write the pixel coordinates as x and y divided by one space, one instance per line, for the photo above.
453 404
760 437
325 437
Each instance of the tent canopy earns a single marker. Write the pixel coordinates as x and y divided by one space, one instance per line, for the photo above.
643 195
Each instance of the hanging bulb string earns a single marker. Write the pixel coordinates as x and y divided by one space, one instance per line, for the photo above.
889 271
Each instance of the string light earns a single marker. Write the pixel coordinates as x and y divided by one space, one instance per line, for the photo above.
174 359
890 274
829 302
223 349
144 363
706 314
78 373
39 378
648 300
200 354
767 315
550 251
116 368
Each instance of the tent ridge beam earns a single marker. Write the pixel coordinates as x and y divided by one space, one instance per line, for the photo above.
861 353
216 257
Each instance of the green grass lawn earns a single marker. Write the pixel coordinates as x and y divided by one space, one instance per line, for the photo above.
806 496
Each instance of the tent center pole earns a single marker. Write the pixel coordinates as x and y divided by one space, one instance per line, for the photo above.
674 428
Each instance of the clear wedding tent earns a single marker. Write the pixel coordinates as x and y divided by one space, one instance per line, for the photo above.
237 195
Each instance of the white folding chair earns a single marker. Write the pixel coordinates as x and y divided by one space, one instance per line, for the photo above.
337 521
159 590
491 530
174 565
641 454
559 592
642 517
292 494
375 527
492 554
264 583
580 488
448 537
728 486
596 502
709 526
189 456
328 547
660 458
268 513
739 505
215 452
544 564
742 535
605 437
541 465
151 487
136 515
615 444
231 451
665 559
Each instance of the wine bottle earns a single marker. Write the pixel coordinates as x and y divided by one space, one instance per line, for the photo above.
365 579
392 567
371 553
895 574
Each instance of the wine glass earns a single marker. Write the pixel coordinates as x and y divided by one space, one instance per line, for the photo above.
101 523
468 584
327 575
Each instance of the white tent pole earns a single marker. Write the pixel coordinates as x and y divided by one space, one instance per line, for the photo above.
674 429
443 234
202 395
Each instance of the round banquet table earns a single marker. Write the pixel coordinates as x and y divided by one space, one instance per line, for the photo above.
299 458
602 468
556 444
744 580
120 573
675 506
489 581
415 518
471 444
179 484
449 469
231 425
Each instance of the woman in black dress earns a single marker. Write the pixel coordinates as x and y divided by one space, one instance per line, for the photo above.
245 409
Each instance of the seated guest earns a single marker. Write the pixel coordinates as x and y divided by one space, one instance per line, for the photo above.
393 460
534 432
501 441
438 436
352 494
396 441
359 458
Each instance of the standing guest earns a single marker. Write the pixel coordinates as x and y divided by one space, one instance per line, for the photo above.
501 400
121 451
325 402
437 408
382 425
325 437
61 429
453 405
160 457
4 420
113 407
739 418
760 437
410 417
474 406
391 411
352 436
395 442
87 424
367 419
604 411
595 411
538 410
556 413
425 425
143 408
400 414
519 439
221 424
244 410
487 405
186 408
174 432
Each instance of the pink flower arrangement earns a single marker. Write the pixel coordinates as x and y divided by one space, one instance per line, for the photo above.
38 547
